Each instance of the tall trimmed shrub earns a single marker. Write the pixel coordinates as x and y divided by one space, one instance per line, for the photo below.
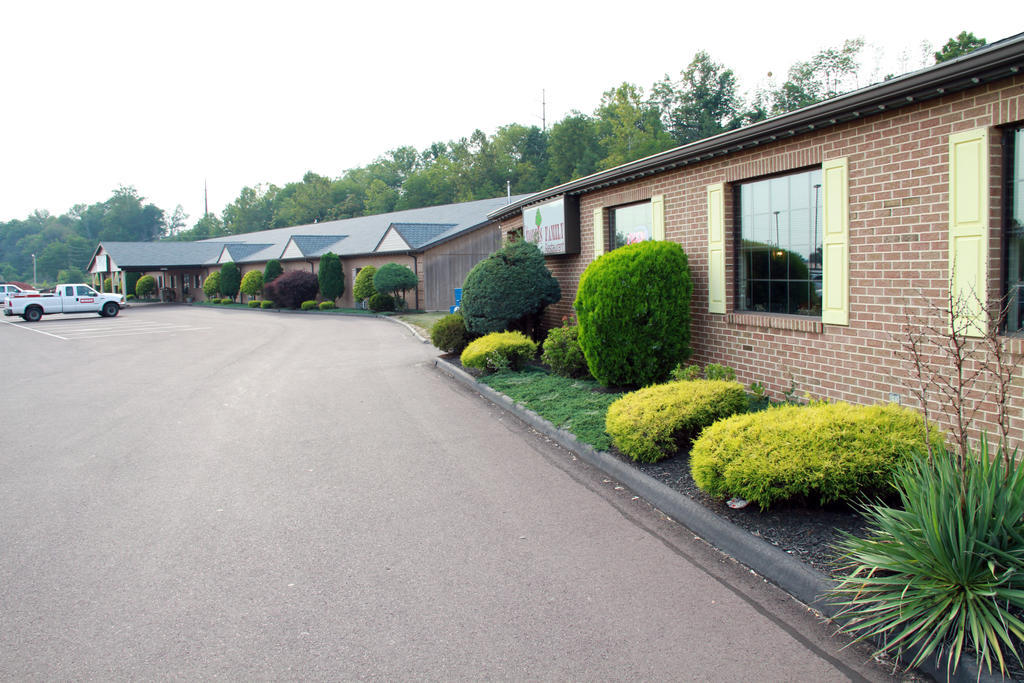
331 277
508 290
292 288
633 307
230 280
363 288
145 286
211 286
252 283
272 271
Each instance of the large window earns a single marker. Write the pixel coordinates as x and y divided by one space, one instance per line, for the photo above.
631 224
1015 236
780 232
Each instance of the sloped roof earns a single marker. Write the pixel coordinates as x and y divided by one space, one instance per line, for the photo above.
161 254
418 234
241 252
420 228
316 245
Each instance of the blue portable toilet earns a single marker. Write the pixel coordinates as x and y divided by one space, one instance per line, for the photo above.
458 301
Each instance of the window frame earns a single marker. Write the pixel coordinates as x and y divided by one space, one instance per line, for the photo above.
1009 150
737 242
610 212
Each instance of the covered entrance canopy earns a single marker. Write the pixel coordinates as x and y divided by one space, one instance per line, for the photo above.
178 266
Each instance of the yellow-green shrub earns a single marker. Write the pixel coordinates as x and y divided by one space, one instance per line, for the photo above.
653 423
499 351
823 452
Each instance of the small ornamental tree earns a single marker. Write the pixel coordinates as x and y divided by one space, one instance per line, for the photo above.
230 280
211 286
363 288
272 271
508 290
331 277
252 283
633 306
145 286
392 278
292 288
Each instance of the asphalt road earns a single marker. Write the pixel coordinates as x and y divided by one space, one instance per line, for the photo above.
194 493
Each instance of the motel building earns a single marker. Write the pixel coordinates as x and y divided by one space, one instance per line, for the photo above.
441 244
814 237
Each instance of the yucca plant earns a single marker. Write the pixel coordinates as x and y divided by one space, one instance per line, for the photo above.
946 573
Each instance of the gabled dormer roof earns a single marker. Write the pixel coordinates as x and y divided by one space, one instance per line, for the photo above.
240 253
310 246
410 236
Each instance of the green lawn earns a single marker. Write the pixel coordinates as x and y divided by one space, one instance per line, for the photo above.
424 321
576 405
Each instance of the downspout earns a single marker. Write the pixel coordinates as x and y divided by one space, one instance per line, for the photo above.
416 269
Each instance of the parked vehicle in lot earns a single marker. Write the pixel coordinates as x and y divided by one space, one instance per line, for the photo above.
73 298
10 288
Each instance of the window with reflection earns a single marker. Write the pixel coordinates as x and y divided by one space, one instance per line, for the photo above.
631 224
780 226
1015 236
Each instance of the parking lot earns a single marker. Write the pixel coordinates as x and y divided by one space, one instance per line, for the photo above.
199 493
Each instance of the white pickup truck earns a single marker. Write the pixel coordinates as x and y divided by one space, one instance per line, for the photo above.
75 298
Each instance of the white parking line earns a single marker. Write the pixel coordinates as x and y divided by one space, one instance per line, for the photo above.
130 334
32 329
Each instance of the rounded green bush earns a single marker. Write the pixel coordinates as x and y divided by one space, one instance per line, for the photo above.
563 353
326 305
633 307
823 452
499 351
382 302
266 304
508 290
225 301
130 297
449 334
145 286
308 305
254 303
654 423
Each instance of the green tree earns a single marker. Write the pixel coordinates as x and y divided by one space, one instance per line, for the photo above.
392 278
252 210
211 286
629 127
73 274
272 271
230 279
574 149
829 73
331 277
957 47
702 104
363 288
508 290
252 283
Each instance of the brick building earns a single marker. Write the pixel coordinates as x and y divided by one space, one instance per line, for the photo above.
813 237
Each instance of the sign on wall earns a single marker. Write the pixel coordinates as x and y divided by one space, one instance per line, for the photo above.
554 226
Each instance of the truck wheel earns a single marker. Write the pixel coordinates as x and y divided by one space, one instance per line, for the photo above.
109 309
33 314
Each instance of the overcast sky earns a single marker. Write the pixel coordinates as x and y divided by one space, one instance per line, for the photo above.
167 96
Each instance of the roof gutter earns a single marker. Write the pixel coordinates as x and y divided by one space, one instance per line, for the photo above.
1002 59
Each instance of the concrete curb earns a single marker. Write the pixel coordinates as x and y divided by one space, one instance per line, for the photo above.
796 578
411 328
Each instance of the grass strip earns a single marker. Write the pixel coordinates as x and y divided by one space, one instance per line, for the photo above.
576 405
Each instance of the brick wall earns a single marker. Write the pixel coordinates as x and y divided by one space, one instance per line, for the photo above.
898 194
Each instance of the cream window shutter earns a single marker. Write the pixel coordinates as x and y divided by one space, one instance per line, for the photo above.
658 217
598 232
716 248
968 228
835 247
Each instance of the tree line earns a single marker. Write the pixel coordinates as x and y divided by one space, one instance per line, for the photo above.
629 123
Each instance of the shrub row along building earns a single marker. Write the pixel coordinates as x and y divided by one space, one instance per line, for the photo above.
813 236
439 243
